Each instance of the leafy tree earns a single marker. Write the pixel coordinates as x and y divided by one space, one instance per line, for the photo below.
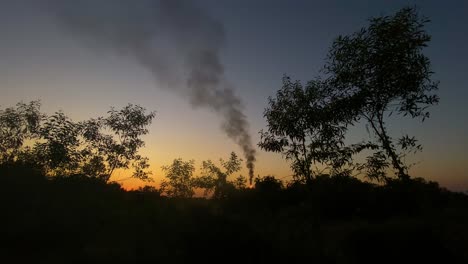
148 190
17 125
58 145
214 179
57 149
105 153
307 128
381 70
179 179
268 184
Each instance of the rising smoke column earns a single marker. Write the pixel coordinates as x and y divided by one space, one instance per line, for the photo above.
175 40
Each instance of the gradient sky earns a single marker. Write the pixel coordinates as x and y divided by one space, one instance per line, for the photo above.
265 39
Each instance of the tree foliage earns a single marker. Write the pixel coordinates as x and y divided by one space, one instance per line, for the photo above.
179 181
214 179
58 149
307 128
268 184
17 125
381 70
369 75
60 146
107 152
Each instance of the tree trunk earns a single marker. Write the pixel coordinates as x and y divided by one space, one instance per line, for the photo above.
386 144
395 161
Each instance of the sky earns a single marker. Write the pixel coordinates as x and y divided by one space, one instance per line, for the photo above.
43 57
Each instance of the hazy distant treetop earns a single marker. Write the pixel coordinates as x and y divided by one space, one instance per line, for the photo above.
179 181
215 179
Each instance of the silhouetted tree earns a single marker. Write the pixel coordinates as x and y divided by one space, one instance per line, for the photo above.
268 184
214 179
58 149
105 153
306 128
240 182
17 125
58 145
381 70
179 179
148 189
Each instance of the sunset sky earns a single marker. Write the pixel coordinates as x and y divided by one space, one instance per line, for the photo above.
42 59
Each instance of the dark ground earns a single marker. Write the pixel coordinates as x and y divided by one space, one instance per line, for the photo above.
334 220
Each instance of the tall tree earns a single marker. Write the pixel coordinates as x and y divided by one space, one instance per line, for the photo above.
381 70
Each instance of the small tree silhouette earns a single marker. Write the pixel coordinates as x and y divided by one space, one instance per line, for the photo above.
214 179
268 184
180 182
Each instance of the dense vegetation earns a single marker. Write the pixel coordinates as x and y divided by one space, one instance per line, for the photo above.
59 204
334 220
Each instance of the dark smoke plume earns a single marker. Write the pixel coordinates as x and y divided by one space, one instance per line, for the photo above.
175 40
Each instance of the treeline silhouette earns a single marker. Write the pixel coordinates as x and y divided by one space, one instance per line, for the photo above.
78 219
60 205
